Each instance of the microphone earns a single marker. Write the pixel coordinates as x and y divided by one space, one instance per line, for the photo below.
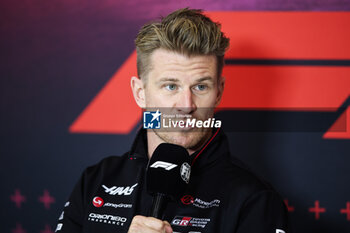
168 174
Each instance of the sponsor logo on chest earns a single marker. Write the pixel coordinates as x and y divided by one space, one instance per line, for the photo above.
190 200
184 221
120 190
99 202
107 219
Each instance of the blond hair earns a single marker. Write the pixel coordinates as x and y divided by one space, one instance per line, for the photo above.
186 31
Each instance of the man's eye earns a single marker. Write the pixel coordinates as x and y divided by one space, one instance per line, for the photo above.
171 87
201 87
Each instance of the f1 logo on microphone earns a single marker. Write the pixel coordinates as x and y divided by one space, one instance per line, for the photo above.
167 166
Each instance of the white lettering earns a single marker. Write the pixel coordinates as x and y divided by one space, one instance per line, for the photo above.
164 123
176 221
181 124
174 123
190 122
107 217
61 216
59 227
206 124
199 124
121 205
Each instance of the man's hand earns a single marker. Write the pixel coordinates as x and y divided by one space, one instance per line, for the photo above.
141 224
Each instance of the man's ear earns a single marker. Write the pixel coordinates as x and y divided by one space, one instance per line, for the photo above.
138 91
221 86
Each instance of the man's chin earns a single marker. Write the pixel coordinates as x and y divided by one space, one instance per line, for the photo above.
188 139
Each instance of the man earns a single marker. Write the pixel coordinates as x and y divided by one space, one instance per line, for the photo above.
179 63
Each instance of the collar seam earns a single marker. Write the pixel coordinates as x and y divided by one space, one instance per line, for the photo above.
200 152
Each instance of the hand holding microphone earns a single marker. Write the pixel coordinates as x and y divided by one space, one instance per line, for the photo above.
142 224
168 174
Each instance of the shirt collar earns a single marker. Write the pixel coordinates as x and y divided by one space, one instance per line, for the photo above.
213 149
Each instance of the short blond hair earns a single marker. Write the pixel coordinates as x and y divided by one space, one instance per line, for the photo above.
186 31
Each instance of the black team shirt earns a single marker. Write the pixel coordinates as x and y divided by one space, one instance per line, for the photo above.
222 196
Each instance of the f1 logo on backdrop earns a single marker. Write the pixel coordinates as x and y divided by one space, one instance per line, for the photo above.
262 73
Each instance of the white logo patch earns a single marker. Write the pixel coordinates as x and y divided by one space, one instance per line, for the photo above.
190 221
167 166
185 172
115 190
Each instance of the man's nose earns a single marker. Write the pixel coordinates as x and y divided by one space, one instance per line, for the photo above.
186 102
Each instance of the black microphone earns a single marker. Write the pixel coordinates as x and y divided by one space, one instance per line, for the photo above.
168 174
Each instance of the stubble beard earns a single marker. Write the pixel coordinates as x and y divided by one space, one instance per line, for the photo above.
191 140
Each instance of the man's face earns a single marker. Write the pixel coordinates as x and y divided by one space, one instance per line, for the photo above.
184 86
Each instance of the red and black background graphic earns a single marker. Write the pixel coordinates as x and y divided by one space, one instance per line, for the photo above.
66 103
